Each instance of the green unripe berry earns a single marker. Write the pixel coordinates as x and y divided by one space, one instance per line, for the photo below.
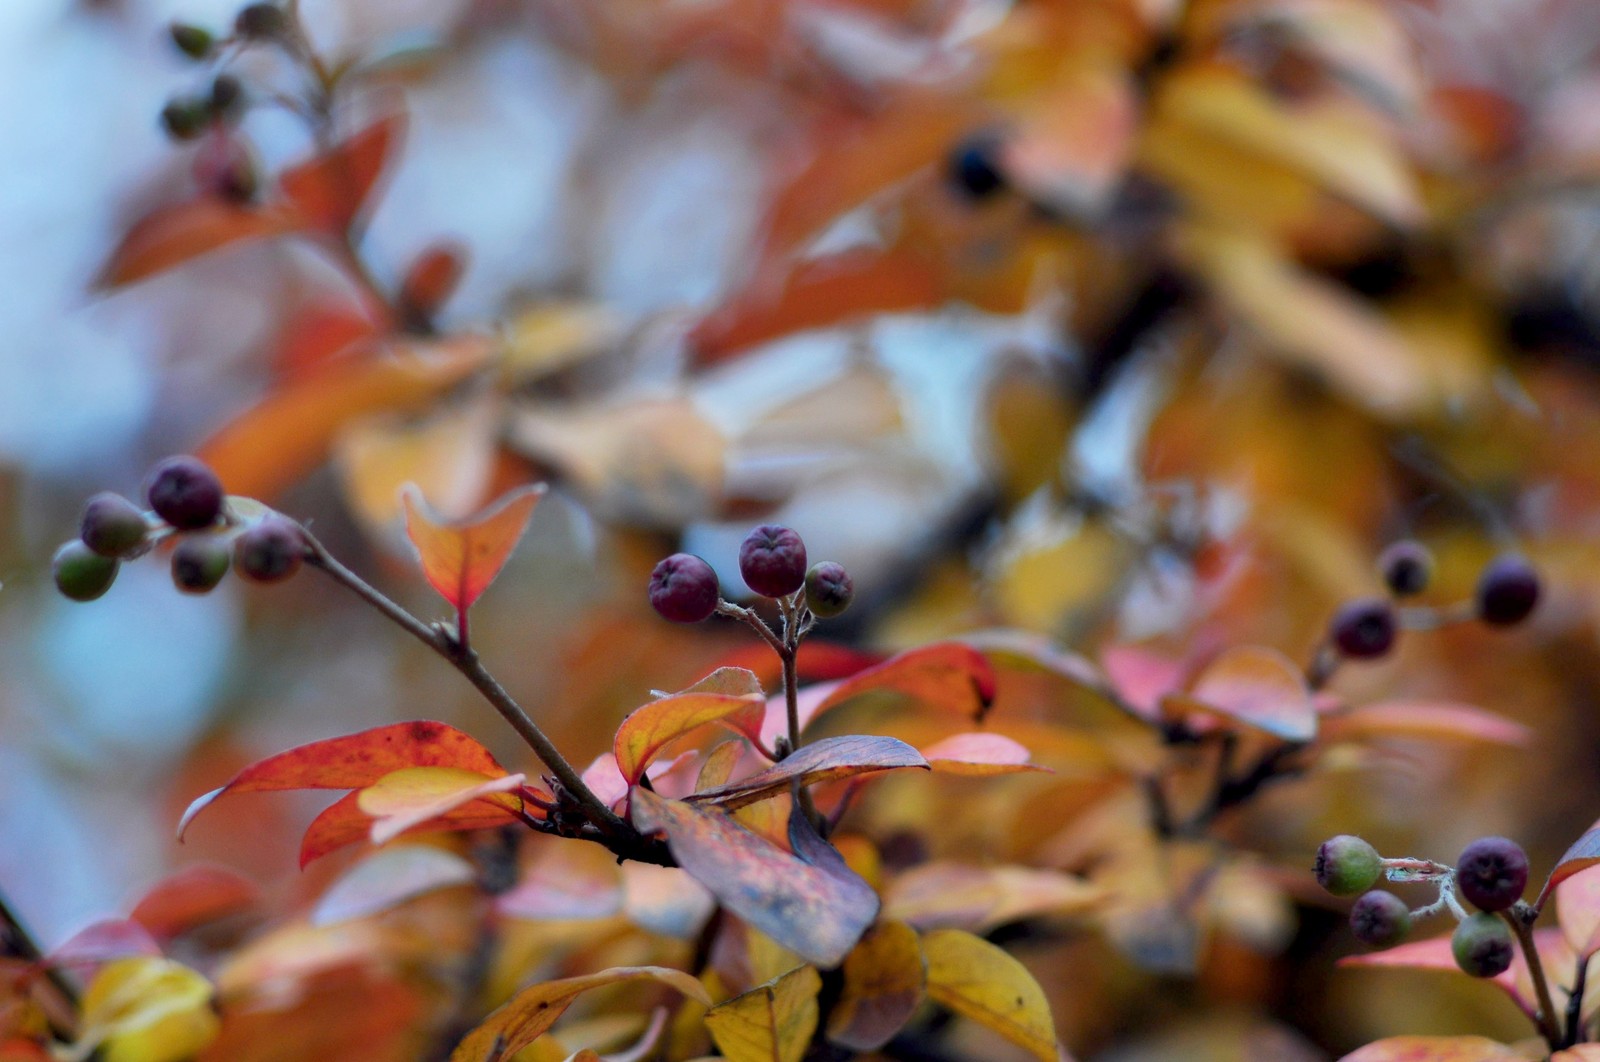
191 40
200 562
1482 945
81 573
112 525
1347 865
1380 919
829 589
185 117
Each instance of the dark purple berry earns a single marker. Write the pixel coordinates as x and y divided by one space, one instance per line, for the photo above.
185 493
1347 865
112 525
227 97
1508 590
192 41
1380 918
1492 873
829 589
81 573
261 21
1407 568
1364 628
974 169
1482 945
199 563
270 551
772 560
683 589
185 117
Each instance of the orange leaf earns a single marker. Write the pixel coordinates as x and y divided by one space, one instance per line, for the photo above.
810 902
530 1013
729 695
1584 853
193 897
344 823
318 335
389 878
171 235
884 978
1423 719
946 675
330 190
1434 1049
1256 686
355 760
979 753
272 445
461 558
821 761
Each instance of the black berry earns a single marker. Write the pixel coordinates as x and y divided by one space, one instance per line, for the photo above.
260 22
829 589
683 589
1482 945
1347 865
973 168
1492 873
1406 567
81 573
270 551
185 492
772 560
1380 919
199 563
112 525
1508 590
1364 628
185 117
191 40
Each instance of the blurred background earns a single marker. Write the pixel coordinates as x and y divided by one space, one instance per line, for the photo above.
1116 321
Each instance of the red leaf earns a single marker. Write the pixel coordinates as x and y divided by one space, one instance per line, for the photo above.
817 661
355 760
810 902
1584 853
731 696
171 235
1256 686
330 190
193 897
461 558
344 823
318 335
821 761
948 675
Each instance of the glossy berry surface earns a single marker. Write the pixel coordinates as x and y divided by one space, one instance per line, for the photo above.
829 589
199 563
974 170
1492 872
1380 919
185 493
1508 590
112 525
1406 567
270 551
1347 865
772 560
82 574
1482 945
683 588
1364 628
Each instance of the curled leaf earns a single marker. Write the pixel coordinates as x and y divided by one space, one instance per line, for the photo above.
413 796
821 761
461 558
731 696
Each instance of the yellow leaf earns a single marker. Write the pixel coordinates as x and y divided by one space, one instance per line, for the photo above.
413 795
884 978
979 981
773 1022
146 1009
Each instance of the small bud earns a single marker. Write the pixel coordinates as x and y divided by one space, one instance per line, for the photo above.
431 280
112 525
1492 872
227 97
81 573
683 589
1406 567
185 117
1508 590
192 41
772 560
199 563
1364 628
260 21
185 493
974 169
270 551
829 589
1380 919
1482 945
1347 865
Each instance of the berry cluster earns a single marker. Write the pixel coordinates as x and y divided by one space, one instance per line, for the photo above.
187 503
1491 873
772 562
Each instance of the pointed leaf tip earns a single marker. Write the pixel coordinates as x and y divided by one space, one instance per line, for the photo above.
461 558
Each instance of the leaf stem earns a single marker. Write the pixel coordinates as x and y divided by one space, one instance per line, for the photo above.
1520 919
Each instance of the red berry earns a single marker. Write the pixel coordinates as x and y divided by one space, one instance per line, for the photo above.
1380 918
1407 568
829 589
683 589
185 493
1492 873
1364 628
112 525
270 551
1482 945
1347 865
772 560
1508 590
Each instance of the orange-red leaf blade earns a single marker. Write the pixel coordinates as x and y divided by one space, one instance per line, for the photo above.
461 558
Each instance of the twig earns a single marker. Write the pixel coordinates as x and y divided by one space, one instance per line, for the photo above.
1520 919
